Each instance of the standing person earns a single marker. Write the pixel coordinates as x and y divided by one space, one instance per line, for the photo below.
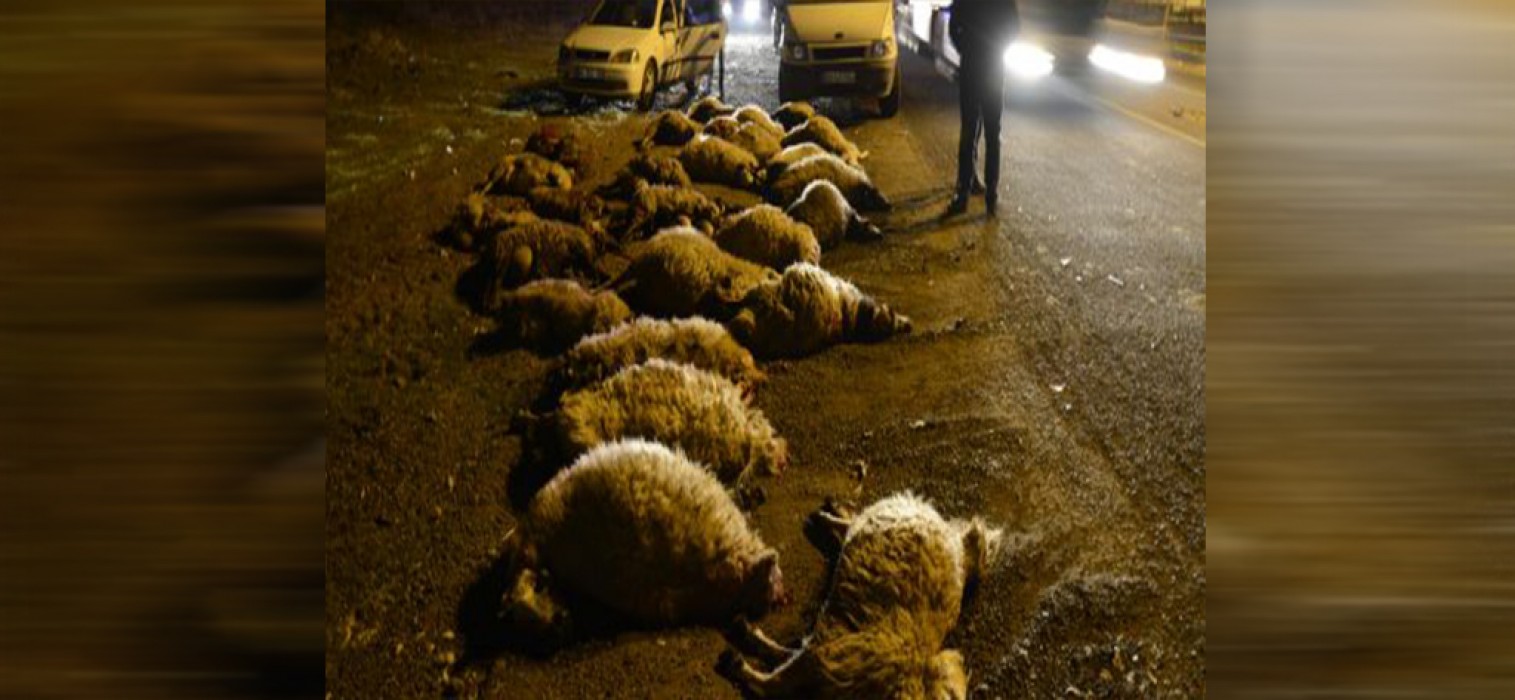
980 30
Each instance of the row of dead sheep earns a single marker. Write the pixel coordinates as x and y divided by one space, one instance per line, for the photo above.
652 413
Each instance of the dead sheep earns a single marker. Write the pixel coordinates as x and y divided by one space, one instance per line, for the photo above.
698 342
793 114
536 250
896 592
680 272
670 128
808 310
573 206
716 160
523 172
707 108
551 315
554 145
478 218
853 182
679 549
822 132
779 162
679 405
753 114
756 140
648 168
830 217
764 234
722 127
655 207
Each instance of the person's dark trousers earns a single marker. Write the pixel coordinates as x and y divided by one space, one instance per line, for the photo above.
981 96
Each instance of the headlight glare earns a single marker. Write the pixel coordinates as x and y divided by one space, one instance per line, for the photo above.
1028 61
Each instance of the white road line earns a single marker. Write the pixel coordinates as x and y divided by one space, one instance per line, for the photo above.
1148 121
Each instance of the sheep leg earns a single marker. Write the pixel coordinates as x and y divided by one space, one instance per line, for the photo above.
788 680
753 641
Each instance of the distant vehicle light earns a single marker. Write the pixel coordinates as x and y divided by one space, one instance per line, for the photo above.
750 11
1028 61
725 9
1142 69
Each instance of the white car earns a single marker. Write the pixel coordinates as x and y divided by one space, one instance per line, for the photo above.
631 48
840 48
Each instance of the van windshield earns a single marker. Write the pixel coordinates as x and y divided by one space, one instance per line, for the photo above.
639 14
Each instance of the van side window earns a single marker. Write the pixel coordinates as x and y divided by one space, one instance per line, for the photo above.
702 11
668 14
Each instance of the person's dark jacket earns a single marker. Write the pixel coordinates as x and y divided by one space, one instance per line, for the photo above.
983 28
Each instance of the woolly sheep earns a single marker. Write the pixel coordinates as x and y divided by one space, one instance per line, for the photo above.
698 342
764 234
681 272
551 315
677 550
756 140
753 114
572 206
779 162
648 168
478 218
553 145
670 128
853 182
521 173
830 217
808 310
654 207
822 131
711 159
708 108
722 127
536 250
792 114
896 592
679 405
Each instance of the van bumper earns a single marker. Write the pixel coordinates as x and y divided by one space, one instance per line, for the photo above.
799 81
608 79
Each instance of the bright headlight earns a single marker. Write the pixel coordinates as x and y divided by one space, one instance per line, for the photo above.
796 51
725 9
750 11
1142 69
624 56
880 48
1028 61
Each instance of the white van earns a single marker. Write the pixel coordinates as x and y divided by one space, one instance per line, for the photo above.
631 48
840 48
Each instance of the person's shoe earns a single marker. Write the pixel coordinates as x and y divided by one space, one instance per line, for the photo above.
959 204
991 204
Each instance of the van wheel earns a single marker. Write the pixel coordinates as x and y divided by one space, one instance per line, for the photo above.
649 88
889 105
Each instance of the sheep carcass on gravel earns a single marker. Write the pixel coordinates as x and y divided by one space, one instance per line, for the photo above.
638 528
779 162
479 217
707 108
792 114
551 315
521 173
808 310
654 207
681 272
573 206
722 127
753 114
896 592
764 234
822 131
648 168
670 128
679 405
853 182
552 144
537 250
711 159
830 217
699 342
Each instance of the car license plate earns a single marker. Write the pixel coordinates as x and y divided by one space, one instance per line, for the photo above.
837 77
591 73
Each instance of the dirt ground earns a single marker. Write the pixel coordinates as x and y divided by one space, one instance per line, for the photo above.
1099 594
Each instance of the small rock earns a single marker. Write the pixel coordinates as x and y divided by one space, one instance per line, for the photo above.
1115 280
1058 388
917 425
1065 261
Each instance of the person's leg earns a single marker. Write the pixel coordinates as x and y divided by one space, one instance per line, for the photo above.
992 106
967 143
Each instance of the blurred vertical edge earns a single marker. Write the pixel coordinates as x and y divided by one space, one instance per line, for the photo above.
1361 349
161 349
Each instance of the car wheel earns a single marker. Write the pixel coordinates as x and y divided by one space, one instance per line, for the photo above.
649 88
889 105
